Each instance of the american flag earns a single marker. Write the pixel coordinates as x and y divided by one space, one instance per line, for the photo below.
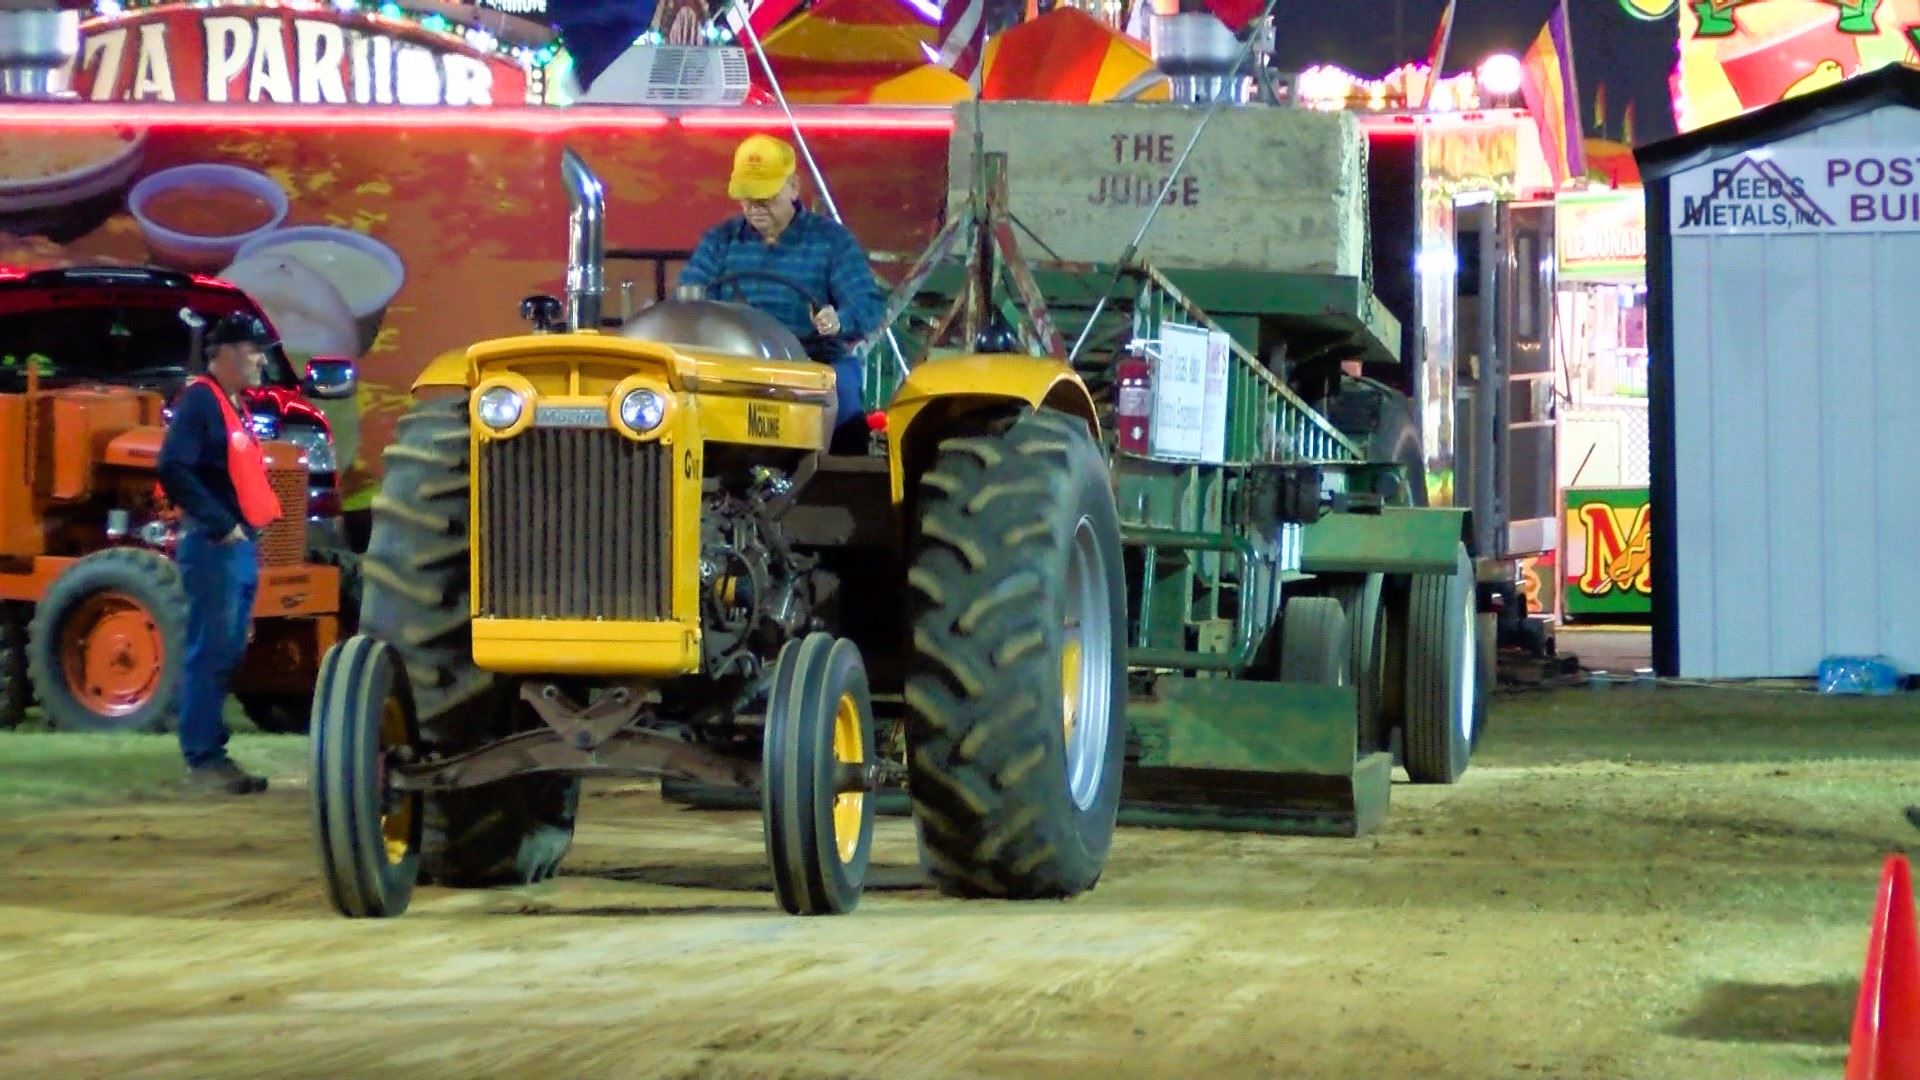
963 37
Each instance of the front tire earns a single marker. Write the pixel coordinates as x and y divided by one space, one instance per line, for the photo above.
415 579
819 719
368 834
1016 689
107 649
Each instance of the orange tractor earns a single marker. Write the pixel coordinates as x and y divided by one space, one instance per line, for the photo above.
93 611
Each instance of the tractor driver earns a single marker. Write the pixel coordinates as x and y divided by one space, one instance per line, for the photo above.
774 234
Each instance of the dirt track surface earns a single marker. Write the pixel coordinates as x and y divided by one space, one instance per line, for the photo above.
1546 918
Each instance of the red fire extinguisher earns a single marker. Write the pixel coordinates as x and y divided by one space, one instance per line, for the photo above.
1133 404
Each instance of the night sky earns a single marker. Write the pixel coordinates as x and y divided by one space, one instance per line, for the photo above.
1631 58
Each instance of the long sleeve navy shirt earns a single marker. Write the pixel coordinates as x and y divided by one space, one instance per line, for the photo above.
815 252
193 464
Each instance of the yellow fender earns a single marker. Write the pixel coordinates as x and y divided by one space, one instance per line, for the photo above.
939 392
451 369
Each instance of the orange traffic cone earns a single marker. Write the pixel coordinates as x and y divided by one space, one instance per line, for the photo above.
1886 1021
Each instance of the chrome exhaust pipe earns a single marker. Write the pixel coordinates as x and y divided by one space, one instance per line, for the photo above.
586 241
38 43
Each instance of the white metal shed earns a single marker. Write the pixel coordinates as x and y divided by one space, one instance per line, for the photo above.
1783 270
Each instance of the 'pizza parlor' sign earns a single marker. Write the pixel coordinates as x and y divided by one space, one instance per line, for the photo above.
248 53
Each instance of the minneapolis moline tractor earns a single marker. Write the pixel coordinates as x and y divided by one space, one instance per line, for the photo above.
624 551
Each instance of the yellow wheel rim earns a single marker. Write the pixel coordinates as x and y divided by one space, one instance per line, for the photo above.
396 827
1070 683
847 750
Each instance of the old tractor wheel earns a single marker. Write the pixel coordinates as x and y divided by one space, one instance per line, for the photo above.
16 690
289 714
415 577
1016 689
108 645
819 730
1367 620
1316 645
1442 674
368 833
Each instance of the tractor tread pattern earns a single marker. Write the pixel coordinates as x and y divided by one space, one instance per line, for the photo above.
977 605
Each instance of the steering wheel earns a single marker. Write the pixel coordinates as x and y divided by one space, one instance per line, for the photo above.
737 276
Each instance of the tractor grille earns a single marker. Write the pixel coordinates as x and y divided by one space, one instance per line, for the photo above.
575 524
284 543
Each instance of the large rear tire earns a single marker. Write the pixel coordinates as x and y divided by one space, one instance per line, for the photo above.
1443 698
415 580
107 650
368 834
1016 688
16 689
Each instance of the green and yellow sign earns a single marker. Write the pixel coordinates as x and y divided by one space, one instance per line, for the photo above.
1608 551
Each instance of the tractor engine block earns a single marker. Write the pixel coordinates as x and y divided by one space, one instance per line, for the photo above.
755 592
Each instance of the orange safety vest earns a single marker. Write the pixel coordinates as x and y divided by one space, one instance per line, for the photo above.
246 463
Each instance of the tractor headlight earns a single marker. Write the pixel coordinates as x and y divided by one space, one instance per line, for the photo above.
642 410
500 407
314 443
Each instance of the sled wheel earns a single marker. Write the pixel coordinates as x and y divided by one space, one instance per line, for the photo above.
819 731
1316 645
1366 616
1443 699
368 833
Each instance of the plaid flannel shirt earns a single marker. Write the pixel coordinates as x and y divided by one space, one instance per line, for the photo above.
814 252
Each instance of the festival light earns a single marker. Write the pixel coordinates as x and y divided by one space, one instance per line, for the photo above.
1500 75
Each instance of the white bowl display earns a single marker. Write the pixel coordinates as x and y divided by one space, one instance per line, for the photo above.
215 191
367 273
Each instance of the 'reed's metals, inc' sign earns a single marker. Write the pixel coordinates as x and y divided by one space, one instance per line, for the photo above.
1799 191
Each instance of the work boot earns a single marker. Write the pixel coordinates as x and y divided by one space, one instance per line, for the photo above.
224 777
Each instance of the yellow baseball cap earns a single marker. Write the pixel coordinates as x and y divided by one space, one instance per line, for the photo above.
761 166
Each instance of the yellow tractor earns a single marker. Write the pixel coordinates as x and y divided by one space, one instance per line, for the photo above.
620 548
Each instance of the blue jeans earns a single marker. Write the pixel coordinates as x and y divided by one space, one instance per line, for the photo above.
848 374
221 581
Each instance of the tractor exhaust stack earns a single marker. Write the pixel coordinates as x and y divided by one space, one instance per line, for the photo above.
38 44
586 241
